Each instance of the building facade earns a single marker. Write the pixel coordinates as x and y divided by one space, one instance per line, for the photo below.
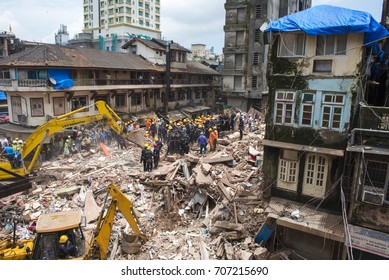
112 21
245 54
322 167
34 95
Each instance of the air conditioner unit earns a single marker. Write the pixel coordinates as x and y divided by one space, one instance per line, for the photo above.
22 118
373 197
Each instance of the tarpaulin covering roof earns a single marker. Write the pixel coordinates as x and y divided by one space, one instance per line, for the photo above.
327 20
61 79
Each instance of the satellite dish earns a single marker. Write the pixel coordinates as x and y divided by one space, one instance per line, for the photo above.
52 81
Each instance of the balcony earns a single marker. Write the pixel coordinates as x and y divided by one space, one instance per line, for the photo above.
376 118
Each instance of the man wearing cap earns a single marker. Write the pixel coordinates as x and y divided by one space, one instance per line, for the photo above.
143 156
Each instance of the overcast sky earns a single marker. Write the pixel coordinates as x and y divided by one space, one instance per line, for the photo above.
184 21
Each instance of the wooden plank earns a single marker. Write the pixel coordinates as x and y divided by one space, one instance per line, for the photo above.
223 189
218 160
229 226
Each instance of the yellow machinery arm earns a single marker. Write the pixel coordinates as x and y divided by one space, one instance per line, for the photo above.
66 121
102 233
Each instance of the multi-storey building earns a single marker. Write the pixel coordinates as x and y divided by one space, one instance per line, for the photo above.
111 22
315 84
245 54
51 80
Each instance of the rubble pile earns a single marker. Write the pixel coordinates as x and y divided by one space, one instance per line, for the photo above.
191 207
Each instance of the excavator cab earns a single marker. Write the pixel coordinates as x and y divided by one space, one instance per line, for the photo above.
49 229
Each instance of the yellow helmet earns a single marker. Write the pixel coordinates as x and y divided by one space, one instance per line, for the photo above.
170 127
214 127
210 129
149 148
146 145
156 139
63 239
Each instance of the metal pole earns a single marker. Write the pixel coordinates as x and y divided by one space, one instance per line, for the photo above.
167 80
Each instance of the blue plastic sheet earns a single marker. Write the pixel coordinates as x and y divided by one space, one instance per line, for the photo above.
327 20
3 96
61 78
264 234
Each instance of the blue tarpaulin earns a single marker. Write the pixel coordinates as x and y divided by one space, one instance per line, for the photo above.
264 234
60 78
327 20
3 96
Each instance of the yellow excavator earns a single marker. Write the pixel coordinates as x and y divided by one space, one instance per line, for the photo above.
51 227
33 145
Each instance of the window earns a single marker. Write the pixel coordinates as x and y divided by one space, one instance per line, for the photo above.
198 94
140 13
283 10
288 167
239 39
37 107
376 178
241 15
331 44
254 80
4 75
322 66
238 61
284 109
332 111
257 35
258 11
256 58
238 82
78 102
307 109
136 99
16 108
58 106
120 100
291 44
37 74
315 177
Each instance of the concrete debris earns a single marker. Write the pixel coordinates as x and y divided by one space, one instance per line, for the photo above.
190 207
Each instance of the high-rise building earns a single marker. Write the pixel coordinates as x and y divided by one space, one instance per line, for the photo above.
107 17
245 52
62 37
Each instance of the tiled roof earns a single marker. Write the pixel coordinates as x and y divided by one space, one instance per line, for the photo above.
58 56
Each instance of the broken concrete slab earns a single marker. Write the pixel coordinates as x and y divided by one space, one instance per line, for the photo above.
67 191
229 226
218 160
201 178
91 209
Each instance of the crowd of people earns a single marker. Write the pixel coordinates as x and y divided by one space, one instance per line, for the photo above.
178 136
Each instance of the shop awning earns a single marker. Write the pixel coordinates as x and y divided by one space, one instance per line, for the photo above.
298 147
3 96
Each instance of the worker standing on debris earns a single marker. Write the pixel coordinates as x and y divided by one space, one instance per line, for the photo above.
241 127
202 140
250 123
211 140
216 137
147 124
143 156
9 152
149 159
66 148
156 155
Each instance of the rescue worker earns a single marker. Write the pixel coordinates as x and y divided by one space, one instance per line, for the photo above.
216 137
211 140
149 159
66 148
202 140
17 160
9 152
156 155
66 248
143 156
241 127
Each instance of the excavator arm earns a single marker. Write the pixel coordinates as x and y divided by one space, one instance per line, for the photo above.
102 233
65 121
